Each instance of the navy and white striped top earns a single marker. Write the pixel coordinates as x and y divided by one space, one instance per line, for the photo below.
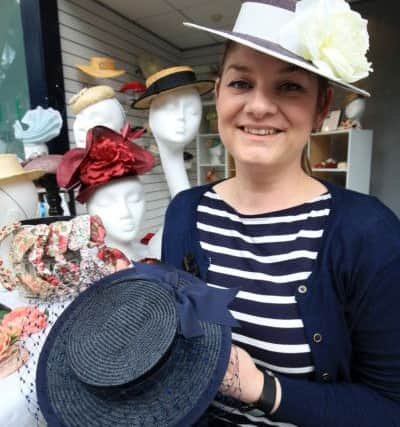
267 256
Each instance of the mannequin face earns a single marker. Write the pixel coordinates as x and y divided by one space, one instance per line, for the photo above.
174 117
121 205
18 201
108 112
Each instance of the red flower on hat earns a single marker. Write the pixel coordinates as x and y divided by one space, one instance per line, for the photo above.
107 159
108 155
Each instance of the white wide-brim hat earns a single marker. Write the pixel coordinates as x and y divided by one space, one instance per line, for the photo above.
259 26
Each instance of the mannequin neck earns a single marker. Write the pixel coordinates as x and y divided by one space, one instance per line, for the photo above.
174 167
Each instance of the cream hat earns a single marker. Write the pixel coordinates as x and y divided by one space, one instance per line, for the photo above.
311 34
11 170
89 96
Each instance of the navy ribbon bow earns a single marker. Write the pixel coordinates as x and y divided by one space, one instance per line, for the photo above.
194 301
198 302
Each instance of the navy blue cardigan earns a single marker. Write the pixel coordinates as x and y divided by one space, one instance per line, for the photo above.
350 309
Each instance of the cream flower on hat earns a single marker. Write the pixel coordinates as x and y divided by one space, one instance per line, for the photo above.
330 35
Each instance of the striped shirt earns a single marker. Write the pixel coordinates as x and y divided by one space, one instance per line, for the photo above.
267 256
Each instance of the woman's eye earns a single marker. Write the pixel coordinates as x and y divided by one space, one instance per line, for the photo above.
239 84
290 87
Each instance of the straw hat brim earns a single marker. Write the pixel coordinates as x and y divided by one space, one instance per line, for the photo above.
278 52
202 86
100 73
177 393
25 175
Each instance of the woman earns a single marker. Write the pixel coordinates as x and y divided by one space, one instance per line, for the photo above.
317 266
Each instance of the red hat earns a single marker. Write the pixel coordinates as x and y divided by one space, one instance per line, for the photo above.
108 155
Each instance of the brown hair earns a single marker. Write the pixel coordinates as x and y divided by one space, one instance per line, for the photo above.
323 86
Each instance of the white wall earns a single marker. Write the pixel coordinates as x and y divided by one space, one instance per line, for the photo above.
89 29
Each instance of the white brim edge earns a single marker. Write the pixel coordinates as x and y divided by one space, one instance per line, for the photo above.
277 55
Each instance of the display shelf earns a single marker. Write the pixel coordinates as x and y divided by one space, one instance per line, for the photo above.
333 170
352 146
208 171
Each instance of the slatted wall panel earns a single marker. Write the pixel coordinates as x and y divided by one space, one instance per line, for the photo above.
204 61
89 29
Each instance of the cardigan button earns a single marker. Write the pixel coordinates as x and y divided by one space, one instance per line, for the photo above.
317 337
302 289
325 377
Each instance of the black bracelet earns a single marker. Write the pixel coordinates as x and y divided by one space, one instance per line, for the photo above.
268 395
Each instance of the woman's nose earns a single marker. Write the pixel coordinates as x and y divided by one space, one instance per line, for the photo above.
260 104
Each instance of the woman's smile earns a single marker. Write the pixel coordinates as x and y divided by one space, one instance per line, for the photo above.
264 118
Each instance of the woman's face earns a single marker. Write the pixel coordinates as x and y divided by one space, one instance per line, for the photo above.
266 109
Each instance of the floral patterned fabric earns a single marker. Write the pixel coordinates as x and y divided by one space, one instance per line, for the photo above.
59 258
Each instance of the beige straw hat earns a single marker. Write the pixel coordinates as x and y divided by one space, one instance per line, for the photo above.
89 96
11 170
101 67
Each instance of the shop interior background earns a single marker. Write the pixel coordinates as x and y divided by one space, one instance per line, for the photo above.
125 29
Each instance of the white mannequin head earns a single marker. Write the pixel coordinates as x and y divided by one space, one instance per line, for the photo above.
356 108
121 206
174 117
18 201
215 154
107 112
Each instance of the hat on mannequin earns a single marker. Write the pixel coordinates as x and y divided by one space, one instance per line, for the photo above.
90 96
108 155
11 170
169 80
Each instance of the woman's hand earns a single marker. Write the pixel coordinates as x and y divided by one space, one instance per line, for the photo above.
243 380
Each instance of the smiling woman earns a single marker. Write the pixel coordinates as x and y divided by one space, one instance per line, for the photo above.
314 280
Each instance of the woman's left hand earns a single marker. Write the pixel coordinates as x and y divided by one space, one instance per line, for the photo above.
243 380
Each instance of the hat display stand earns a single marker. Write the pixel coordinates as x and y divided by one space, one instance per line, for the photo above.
121 205
48 182
354 111
36 128
173 97
95 106
112 191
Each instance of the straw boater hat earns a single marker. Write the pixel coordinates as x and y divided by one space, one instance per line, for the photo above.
305 33
147 346
90 96
169 80
101 68
11 170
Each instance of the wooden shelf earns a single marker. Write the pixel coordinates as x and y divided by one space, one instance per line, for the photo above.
337 170
352 146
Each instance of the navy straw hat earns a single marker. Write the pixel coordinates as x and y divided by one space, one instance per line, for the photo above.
147 346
